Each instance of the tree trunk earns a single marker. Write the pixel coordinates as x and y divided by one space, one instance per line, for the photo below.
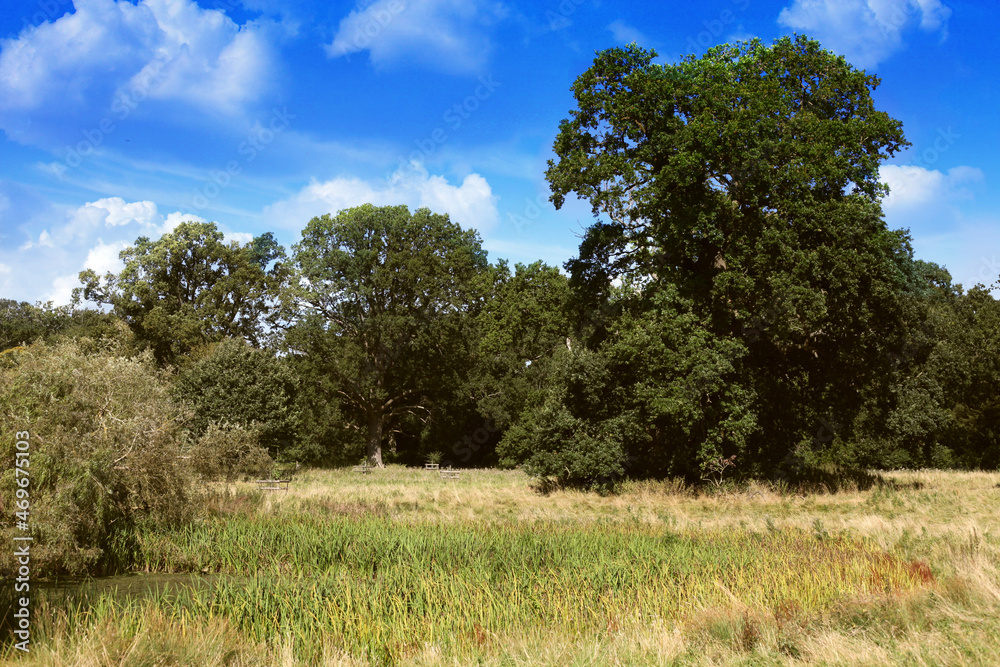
375 439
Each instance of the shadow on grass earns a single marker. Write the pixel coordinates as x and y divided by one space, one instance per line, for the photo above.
806 481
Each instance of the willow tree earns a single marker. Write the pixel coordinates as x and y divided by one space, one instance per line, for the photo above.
381 304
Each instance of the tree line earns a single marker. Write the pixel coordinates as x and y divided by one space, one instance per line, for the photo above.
739 298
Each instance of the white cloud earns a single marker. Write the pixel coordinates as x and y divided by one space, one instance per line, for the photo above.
116 212
471 204
913 187
176 218
450 34
108 56
969 250
103 257
938 209
239 237
43 246
44 241
623 33
120 213
865 31
61 292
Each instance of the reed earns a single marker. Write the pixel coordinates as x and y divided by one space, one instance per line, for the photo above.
384 574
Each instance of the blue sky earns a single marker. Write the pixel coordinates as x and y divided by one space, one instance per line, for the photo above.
121 119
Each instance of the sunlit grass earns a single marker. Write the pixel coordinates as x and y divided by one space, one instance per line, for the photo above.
401 567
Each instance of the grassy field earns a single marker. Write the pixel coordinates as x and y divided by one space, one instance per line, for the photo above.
402 567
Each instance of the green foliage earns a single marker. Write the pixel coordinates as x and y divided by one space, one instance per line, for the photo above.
243 386
523 323
946 409
745 184
104 451
22 323
324 435
660 397
681 385
190 288
382 304
230 452
577 435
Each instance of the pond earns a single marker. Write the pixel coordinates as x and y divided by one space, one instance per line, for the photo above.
135 585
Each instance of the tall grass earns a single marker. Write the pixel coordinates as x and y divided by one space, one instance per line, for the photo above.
405 570
381 589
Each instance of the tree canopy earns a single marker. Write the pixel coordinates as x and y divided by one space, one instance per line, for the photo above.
189 288
738 294
380 301
746 180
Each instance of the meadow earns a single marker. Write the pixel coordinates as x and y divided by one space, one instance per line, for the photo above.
402 567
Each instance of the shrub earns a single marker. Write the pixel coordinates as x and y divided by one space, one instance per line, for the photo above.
575 438
242 386
104 451
230 453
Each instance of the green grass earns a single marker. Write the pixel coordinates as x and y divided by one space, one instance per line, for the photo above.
382 589
401 568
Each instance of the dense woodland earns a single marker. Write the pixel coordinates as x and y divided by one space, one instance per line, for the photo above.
738 308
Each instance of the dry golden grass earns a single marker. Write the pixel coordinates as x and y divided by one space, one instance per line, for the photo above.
946 525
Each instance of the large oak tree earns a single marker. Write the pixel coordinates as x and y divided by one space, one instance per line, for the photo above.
747 179
189 288
382 303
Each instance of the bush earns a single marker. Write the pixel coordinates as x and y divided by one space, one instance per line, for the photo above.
104 451
230 453
575 437
242 386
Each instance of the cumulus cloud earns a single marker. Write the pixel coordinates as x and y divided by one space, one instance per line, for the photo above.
449 34
865 31
938 209
116 212
173 219
239 237
101 61
103 257
61 292
46 246
44 241
913 187
471 204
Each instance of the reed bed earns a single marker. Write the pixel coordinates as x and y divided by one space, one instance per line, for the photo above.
346 570
381 589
